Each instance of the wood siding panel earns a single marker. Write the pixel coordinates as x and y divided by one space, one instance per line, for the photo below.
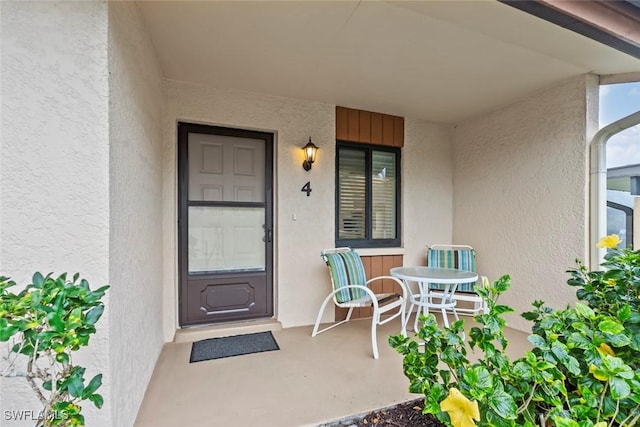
375 266
376 128
398 132
376 270
341 314
397 262
387 264
354 125
387 130
366 261
365 126
369 127
342 123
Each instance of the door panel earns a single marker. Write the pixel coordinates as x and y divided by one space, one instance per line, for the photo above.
225 168
227 297
225 227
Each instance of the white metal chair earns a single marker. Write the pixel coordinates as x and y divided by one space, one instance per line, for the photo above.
462 257
351 290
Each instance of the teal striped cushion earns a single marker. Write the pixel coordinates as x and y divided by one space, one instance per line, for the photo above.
346 269
462 259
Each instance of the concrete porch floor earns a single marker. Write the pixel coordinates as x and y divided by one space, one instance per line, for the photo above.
309 381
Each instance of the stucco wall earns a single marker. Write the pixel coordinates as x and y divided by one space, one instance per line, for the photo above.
135 252
54 154
427 188
299 275
301 279
520 192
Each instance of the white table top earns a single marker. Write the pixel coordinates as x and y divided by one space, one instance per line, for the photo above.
434 275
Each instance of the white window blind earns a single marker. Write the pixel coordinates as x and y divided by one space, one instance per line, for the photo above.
383 182
351 194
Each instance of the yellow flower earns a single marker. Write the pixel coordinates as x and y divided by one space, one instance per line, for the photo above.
461 410
605 349
611 282
611 241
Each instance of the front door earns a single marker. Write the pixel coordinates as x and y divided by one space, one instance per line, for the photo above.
225 224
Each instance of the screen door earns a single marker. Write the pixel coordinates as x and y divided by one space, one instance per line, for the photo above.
225 224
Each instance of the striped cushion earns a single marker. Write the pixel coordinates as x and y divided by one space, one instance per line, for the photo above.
462 259
346 269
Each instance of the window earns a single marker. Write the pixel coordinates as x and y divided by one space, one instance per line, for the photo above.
367 195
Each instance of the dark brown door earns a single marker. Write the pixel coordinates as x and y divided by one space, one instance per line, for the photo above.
225 224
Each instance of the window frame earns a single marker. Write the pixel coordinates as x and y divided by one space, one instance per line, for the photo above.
368 241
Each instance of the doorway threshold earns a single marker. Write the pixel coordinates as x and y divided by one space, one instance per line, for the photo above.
197 333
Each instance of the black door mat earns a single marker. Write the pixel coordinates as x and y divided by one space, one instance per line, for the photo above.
217 348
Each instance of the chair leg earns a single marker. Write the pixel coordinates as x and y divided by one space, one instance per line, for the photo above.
322 308
348 314
374 337
455 313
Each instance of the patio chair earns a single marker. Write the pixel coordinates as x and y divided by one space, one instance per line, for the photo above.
462 257
351 290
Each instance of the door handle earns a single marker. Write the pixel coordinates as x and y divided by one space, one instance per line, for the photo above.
268 236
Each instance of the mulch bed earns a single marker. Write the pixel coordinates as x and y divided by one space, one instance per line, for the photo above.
403 414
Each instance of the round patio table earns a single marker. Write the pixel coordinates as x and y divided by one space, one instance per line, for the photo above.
450 278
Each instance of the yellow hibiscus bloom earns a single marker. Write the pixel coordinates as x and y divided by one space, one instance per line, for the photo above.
461 410
611 241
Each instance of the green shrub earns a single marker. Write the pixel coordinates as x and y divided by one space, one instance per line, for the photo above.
47 321
583 369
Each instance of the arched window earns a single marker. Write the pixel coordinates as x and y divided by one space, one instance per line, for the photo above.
615 165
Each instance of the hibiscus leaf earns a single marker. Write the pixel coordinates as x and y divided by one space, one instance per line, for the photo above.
610 326
564 422
619 388
479 377
503 404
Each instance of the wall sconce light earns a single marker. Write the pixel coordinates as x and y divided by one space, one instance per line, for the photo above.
310 151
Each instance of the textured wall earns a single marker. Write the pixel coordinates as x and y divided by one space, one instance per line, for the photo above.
520 192
299 273
427 188
301 279
54 154
135 252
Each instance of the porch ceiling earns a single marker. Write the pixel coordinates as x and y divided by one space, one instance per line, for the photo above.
434 60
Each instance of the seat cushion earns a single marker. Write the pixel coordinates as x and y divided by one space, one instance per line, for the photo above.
346 269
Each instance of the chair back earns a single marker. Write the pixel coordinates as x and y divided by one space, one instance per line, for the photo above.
461 257
346 269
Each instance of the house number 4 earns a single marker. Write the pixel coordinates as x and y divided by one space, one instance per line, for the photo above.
306 188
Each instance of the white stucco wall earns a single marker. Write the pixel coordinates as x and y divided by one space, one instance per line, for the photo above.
135 196
54 152
300 276
301 279
427 188
520 192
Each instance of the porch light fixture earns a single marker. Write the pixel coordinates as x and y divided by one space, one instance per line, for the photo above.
310 151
